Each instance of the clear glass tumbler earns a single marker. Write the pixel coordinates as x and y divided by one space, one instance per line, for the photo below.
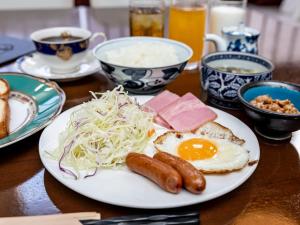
187 24
147 18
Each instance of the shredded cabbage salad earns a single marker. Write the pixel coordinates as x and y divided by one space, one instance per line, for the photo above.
101 133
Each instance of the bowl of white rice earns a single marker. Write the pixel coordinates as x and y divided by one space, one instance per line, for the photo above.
143 65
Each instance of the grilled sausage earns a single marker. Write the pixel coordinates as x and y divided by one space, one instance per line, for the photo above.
160 173
193 179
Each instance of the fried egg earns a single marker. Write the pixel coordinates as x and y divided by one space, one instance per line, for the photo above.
209 155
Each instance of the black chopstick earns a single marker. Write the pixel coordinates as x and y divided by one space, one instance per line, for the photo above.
168 219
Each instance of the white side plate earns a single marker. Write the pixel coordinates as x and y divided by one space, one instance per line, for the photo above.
22 109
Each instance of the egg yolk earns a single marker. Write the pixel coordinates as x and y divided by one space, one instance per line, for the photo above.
196 149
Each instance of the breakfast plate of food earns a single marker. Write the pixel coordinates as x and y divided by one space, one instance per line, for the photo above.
27 105
149 152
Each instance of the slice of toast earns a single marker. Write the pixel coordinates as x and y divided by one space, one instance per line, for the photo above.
216 130
4 89
4 118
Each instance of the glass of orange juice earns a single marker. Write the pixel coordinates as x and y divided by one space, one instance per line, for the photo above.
187 24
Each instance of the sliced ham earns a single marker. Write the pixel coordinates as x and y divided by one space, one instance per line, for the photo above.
190 120
160 121
184 114
160 101
186 103
187 113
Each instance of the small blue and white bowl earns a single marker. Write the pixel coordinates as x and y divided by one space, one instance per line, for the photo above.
140 80
272 125
63 56
222 87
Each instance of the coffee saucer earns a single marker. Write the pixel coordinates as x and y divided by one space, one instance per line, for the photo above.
31 64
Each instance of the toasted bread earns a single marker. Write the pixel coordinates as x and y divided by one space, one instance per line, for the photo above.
4 108
4 118
4 89
216 130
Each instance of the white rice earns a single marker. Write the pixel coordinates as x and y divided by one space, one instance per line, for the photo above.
143 55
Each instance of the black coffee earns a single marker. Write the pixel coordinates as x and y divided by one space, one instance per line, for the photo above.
64 37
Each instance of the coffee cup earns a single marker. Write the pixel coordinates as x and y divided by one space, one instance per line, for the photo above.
63 48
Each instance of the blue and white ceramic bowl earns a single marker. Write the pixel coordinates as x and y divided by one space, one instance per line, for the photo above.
222 87
272 125
142 80
62 56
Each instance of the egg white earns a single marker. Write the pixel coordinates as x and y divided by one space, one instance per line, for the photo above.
229 156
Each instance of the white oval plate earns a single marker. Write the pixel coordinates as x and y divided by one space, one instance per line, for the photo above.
125 188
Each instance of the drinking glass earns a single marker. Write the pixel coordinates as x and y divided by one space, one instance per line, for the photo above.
224 13
187 24
147 18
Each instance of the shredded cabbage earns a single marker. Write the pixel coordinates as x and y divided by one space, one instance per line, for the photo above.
102 132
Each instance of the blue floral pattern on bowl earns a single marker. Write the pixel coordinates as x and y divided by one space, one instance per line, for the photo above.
142 81
222 87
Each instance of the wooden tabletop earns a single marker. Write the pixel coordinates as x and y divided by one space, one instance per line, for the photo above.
270 196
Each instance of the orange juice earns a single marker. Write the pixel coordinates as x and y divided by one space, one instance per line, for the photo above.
187 24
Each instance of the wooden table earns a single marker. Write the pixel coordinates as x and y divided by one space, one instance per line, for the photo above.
270 196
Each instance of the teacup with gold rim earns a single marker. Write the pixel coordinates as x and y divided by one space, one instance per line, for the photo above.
63 48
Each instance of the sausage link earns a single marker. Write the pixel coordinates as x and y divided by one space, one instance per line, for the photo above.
193 179
160 173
